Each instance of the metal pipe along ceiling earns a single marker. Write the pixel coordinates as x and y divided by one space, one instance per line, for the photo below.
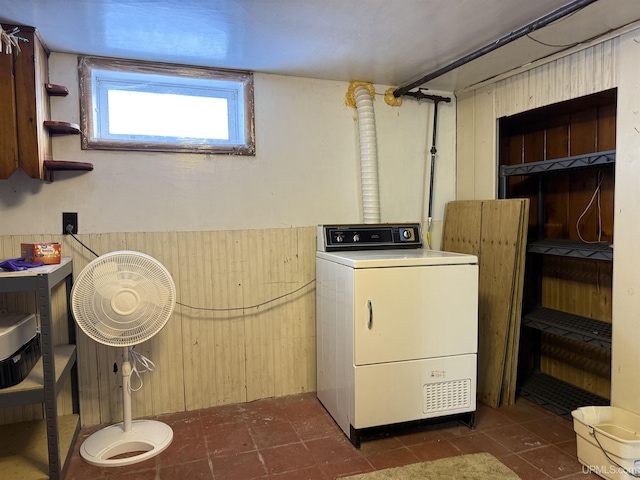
539 23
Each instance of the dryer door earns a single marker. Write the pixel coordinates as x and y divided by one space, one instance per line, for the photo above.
409 313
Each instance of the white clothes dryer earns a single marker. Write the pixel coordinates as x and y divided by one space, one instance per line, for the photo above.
397 328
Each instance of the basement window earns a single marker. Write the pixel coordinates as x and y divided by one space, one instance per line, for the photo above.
128 105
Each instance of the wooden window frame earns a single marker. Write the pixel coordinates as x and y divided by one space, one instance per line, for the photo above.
91 140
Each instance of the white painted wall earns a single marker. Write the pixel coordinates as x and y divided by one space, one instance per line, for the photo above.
305 172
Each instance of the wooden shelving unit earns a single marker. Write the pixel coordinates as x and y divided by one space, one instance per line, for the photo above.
24 94
56 90
61 128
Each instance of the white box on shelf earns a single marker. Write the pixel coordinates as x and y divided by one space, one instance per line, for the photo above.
16 329
19 347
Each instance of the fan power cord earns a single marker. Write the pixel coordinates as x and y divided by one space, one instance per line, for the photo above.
147 366
70 232
249 307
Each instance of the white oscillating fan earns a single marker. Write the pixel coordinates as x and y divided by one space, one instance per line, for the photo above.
121 299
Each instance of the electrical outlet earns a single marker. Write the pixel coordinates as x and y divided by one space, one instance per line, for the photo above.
69 219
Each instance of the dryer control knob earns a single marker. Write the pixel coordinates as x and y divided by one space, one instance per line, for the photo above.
406 234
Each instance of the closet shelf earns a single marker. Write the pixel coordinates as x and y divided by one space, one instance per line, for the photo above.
577 161
557 396
572 248
585 330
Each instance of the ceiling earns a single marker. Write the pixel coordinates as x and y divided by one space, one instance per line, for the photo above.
388 42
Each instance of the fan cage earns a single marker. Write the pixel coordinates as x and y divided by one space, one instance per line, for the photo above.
123 298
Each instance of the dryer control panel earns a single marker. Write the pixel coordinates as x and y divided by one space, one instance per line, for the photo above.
369 237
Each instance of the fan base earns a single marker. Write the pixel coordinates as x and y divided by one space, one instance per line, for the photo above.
146 436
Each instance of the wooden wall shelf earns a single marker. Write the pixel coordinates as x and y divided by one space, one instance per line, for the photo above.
61 128
56 90
51 166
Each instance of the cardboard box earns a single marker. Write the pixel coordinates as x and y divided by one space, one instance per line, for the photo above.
49 253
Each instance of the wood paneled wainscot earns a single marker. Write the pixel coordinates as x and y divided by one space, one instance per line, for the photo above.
251 334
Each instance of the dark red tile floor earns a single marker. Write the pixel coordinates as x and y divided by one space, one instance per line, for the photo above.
294 438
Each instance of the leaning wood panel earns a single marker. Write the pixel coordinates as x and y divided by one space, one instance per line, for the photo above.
492 230
500 232
508 394
462 227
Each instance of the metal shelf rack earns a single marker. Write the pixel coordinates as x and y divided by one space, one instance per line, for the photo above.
57 364
556 395
575 327
566 163
544 390
572 248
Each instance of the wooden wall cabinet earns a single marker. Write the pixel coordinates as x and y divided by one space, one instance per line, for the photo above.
25 142
25 112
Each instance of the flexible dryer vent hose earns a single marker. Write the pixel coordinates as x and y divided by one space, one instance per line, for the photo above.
363 95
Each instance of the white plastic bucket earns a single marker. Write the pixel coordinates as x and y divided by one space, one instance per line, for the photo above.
608 441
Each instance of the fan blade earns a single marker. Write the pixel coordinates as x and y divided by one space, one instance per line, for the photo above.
105 279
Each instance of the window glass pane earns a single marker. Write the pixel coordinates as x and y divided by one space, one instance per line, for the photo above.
168 115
